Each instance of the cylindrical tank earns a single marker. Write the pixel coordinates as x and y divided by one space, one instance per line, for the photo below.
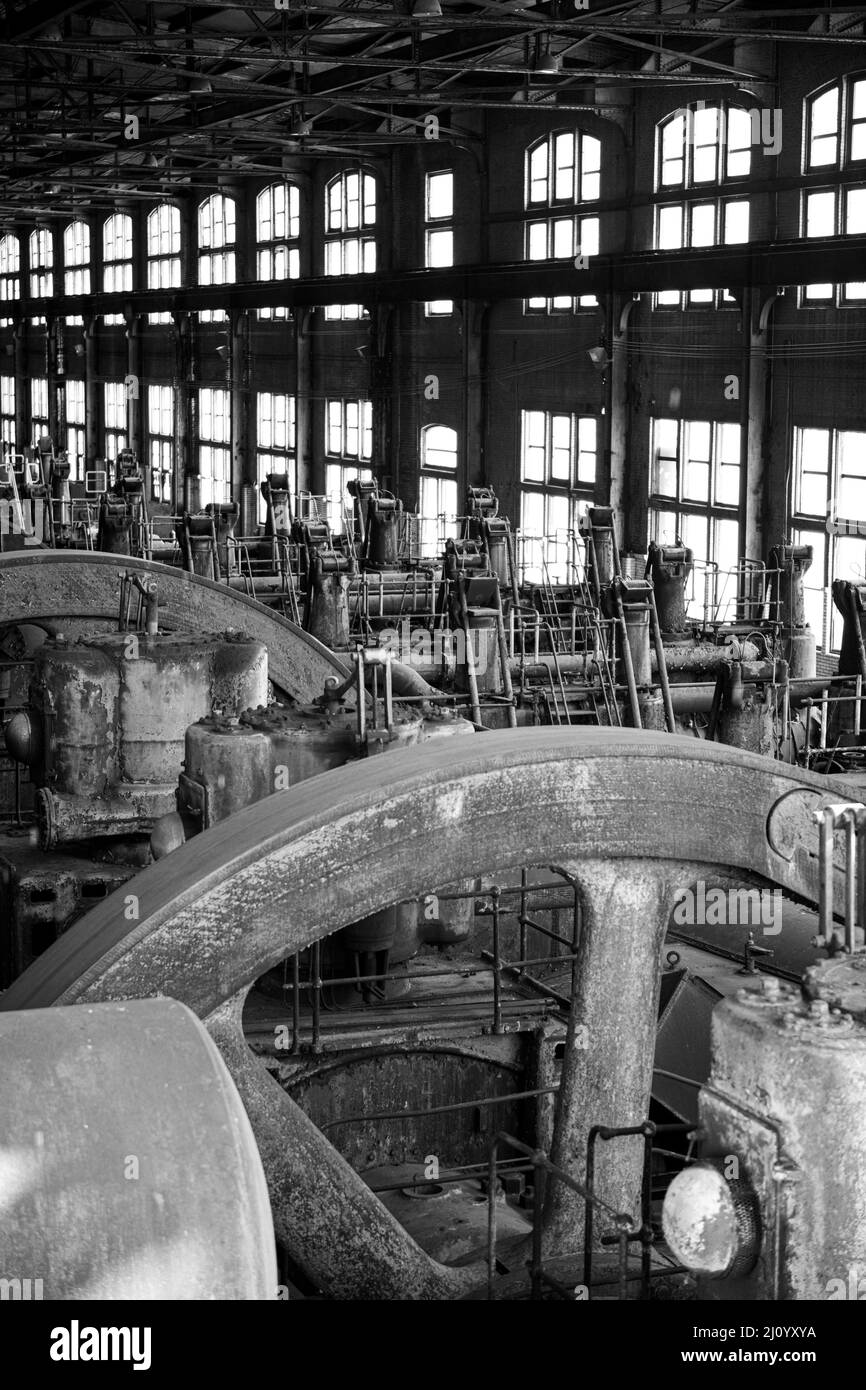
308 739
227 765
787 1099
130 1167
114 711
800 650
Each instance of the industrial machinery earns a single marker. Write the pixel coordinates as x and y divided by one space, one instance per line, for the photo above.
269 882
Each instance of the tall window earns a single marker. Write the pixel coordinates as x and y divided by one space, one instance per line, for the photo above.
702 149
275 441
41 265
38 407
7 414
350 242
695 497
10 267
216 247
278 229
74 399
214 451
438 232
836 141
349 446
116 258
160 431
563 171
114 433
438 487
163 253
557 475
828 479
76 262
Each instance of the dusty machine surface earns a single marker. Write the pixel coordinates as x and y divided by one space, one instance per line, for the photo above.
536 1059
462 972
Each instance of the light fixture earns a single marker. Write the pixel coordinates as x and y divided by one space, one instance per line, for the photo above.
599 358
545 61
222 351
426 9
200 84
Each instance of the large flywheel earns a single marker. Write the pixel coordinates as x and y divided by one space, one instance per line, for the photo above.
632 815
53 588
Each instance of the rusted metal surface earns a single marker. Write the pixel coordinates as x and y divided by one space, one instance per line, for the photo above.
46 587
295 867
787 1099
158 1191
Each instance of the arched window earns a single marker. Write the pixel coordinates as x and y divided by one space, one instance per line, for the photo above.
76 263
10 267
563 170
438 501
350 243
835 122
116 258
163 252
701 149
216 247
278 229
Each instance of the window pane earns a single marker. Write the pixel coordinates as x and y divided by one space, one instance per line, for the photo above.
851 465
440 195
814 490
736 222
820 214
703 224
855 210
670 229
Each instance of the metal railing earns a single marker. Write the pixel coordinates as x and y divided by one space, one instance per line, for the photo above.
315 982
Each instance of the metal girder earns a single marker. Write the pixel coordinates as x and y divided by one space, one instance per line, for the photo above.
719 267
50 587
615 807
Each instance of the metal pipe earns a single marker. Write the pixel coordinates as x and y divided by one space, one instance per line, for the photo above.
662 668
627 661
470 653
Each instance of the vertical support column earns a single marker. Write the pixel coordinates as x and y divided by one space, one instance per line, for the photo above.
303 408
53 338
91 392
243 456
616 425
134 386
759 370
22 386
471 467
607 1072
